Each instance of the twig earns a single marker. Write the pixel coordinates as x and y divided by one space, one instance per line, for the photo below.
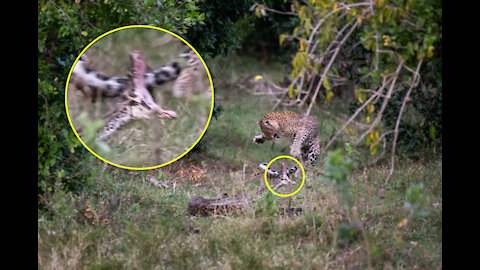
315 29
364 236
284 94
337 36
384 104
312 80
376 48
329 65
397 124
273 10
339 118
351 119
280 12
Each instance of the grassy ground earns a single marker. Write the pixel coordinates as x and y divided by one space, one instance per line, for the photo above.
141 143
124 221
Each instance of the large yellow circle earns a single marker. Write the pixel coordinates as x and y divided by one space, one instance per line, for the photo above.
303 176
122 166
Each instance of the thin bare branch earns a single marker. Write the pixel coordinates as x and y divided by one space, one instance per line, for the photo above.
341 118
274 10
284 94
315 29
350 120
335 40
327 68
304 71
384 104
397 124
376 50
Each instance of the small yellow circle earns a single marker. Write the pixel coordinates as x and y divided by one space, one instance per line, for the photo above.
303 176
149 27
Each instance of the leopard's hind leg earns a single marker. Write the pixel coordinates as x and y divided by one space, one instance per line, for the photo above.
116 119
314 150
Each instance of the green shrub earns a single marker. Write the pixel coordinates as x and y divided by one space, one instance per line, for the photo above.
64 29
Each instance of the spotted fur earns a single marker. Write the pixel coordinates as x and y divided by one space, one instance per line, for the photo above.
137 103
93 83
190 80
300 129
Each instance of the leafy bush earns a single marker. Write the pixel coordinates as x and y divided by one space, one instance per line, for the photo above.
64 29
225 26
372 50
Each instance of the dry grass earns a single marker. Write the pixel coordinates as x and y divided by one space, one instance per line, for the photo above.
149 227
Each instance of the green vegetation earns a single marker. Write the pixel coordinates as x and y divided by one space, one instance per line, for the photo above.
386 53
64 30
125 221
95 216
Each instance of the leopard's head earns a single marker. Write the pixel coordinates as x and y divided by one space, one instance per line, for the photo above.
269 127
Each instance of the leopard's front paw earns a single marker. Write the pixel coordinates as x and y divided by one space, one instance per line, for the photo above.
295 152
259 139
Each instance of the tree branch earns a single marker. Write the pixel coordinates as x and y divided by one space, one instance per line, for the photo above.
315 29
351 119
329 65
397 124
384 104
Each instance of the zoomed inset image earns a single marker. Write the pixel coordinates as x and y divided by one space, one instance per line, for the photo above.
284 175
139 97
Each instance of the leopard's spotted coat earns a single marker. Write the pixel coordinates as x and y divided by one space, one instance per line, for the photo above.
299 128
191 77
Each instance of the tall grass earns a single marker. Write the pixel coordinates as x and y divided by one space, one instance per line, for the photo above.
124 221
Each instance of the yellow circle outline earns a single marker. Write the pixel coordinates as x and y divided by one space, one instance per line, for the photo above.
127 27
303 176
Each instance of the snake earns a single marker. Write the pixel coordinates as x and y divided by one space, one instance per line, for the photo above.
201 206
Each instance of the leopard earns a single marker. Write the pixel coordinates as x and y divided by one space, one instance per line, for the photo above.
301 129
190 80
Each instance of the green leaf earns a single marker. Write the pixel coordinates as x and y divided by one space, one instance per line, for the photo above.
369 140
290 92
379 3
326 83
363 70
429 53
316 66
301 13
360 94
282 38
431 132
336 71
387 14
297 90
373 149
308 25
329 95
